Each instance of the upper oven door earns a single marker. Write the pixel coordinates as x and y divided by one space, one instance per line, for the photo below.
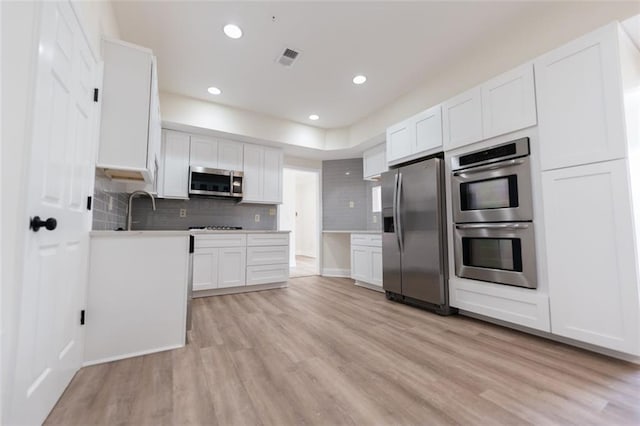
497 192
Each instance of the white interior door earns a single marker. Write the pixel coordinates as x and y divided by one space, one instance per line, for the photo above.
50 340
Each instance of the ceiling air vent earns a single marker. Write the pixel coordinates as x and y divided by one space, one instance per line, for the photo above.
287 57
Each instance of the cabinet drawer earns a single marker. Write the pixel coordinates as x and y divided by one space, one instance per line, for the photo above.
373 240
275 239
265 274
220 240
267 255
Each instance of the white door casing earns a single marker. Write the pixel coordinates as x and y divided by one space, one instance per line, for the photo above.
60 177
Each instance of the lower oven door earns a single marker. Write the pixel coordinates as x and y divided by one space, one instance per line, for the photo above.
502 253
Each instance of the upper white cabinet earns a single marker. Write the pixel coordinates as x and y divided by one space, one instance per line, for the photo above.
591 255
262 181
174 182
415 137
216 153
580 102
501 105
374 162
130 124
462 119
508 102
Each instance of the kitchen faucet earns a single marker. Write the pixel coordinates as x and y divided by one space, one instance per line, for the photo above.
133 194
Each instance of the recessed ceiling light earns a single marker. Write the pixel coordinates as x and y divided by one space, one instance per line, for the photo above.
214 90
314 117
232 31
359 79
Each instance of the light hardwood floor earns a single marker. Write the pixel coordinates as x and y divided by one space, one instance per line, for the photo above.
324 351
305 267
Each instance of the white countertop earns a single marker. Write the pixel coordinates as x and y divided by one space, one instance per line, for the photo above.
102 234
352 232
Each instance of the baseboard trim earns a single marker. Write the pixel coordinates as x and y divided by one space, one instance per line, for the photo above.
131 355
235 290
369 286
336 272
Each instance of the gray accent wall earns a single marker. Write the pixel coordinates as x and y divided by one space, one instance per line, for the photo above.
201 211
105 218
342 184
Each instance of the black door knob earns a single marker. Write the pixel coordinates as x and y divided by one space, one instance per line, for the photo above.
49 224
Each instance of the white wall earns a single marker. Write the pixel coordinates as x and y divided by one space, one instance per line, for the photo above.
19 53
307 213
287 218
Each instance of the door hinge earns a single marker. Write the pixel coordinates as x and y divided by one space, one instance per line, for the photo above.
89 199
95 94
82 317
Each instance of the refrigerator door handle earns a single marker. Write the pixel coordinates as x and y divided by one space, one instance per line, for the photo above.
395 207
399 213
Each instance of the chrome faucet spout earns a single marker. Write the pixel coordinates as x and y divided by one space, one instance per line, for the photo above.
131 197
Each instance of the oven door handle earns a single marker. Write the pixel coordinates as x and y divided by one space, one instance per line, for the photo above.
495 166
493 226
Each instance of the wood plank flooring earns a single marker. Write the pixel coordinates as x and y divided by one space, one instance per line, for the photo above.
326 352
305 267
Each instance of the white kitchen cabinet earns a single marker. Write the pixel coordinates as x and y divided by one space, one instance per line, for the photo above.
216 153
415 137
580 100
366 259
129 128
509 102
232 263
175 166
592 255
374 162
462 119
205 262
267 258
262 181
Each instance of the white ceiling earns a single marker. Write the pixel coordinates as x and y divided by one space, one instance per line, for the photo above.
397 45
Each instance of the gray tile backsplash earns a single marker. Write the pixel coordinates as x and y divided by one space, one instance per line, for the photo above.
109 206
200 212
342 184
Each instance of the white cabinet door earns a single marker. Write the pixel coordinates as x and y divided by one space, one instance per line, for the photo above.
374 161
361 263
205 264
509 102
230 155
399 141
232 265
252 188
272 176
462 119
176 165
376 265
591 255
580 101
203 152
428 130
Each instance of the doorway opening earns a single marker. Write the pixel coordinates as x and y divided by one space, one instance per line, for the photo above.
300 214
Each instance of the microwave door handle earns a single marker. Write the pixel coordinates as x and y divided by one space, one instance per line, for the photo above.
493 226
496 166
399 233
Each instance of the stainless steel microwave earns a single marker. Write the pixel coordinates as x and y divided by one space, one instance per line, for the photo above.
215 182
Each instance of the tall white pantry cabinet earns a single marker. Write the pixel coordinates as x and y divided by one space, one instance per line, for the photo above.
589 112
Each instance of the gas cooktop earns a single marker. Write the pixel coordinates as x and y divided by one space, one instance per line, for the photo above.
217 228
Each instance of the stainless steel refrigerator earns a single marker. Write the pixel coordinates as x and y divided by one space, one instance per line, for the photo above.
414 241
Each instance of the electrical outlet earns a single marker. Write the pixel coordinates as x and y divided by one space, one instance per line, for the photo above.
272 212
375 219
183 212
110 207
257 218
351 204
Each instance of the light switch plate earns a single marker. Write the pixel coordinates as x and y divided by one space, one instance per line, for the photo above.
375 219
183 212
272 212
110 207
351 204
257 218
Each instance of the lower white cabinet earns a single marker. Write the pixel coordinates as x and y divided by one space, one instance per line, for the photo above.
366 258
228 260
592 255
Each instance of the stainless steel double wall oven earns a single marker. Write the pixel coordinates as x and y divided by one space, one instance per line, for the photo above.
493 214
